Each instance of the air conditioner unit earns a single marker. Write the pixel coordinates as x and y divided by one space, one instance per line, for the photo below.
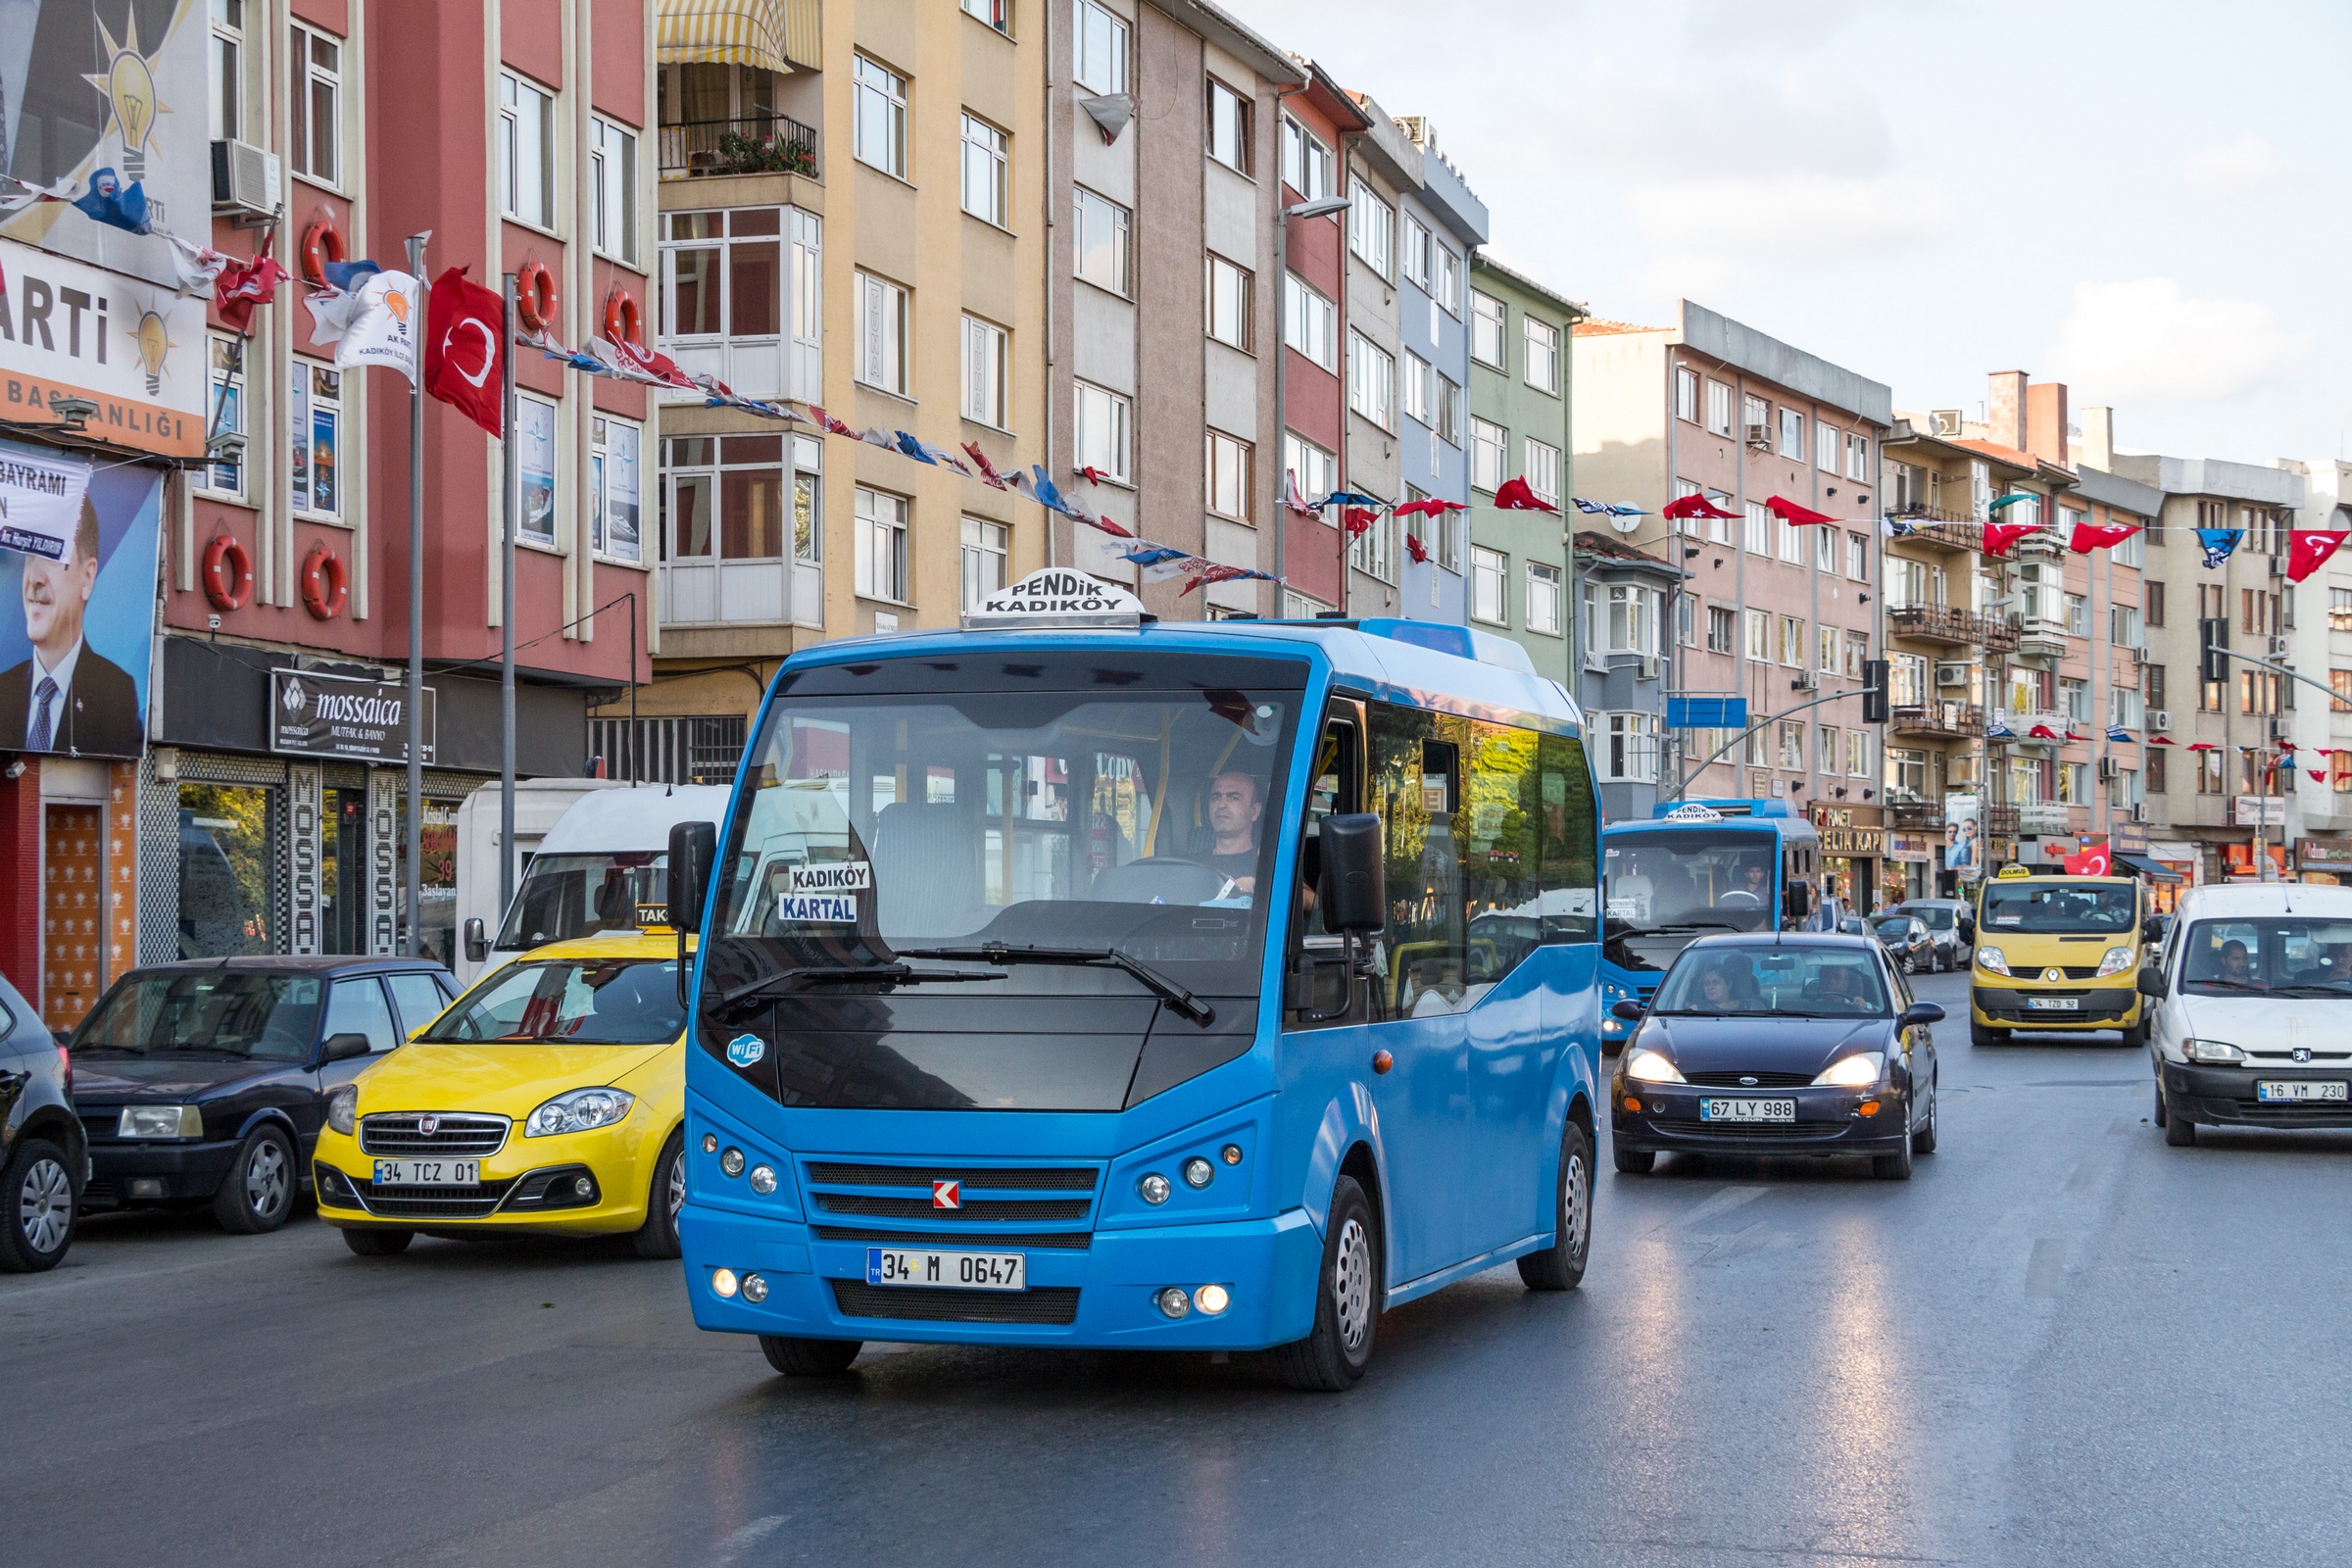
2159 720
246 183
2279 648
1760 436
2278 565
1951 675
1650 667
1946 423
1807 682
2139 812
2139 657
2106 768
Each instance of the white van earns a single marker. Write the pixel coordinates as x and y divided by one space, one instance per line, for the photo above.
585 871
2251 1022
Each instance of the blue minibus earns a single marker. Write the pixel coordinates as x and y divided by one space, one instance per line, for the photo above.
1696 867
1081 980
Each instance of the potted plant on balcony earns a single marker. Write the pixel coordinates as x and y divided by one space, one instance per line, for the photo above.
739 154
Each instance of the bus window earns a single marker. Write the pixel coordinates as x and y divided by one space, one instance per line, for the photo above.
1425 950
1571 874
1336 789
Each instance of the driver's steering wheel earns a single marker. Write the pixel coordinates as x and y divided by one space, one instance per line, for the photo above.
1747 900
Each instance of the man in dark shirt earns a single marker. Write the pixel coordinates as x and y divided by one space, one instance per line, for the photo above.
1234 808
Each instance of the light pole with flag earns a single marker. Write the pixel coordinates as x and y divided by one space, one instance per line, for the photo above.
415 881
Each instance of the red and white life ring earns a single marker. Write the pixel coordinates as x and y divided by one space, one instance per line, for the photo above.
227 572
326 584
623 322
321 243
535 298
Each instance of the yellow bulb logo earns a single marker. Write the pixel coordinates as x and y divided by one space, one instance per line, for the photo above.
130 89
154 343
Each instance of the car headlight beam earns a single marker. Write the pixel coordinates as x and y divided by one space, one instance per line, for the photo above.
1646 1065
2213 1053
579 1110
1993 960
1857 1071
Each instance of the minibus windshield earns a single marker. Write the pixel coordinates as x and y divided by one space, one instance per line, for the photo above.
2057 909
1707 878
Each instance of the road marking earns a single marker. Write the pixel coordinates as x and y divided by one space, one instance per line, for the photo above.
1723 1203
2045 1270
750 1536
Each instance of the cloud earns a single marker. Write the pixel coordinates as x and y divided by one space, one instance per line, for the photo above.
2146 339
1667 127
2222 170
1719 27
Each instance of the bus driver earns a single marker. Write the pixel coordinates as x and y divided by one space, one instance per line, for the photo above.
1235 805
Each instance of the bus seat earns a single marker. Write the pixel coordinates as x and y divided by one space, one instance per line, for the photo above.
926 870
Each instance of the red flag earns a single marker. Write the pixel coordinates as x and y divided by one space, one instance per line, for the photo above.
2000 536
651 365
2072 736
242 286
1789 510
1357 518
2089 536
1515 495
2203 746
1415 548
988 471
1696 506
1094 475
2042 732
2307 550
1430 508
2090 862
2158 740
2319 775
464 337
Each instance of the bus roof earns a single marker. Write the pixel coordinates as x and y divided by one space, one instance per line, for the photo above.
1739 816
1420 663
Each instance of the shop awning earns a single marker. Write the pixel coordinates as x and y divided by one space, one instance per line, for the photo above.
772 34
2141 865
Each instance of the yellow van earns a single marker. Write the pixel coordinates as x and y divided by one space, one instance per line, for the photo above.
2057 954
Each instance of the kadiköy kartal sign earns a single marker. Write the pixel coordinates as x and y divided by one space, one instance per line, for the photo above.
344 715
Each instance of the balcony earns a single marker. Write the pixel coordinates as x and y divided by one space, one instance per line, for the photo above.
1915 816
2001 821
2040 637
1938 530
1938 720
1940 625
2002 634
2045 817
753 144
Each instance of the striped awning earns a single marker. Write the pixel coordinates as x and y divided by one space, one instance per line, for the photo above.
742 32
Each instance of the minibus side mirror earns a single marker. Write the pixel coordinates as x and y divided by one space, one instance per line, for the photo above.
692 847
477 941
2152 928
1799 901
1353 894
1629 1009
1967 923
2151 981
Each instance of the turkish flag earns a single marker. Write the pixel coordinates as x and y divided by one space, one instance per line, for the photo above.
2307 550
464 334
2089 536
2090 862
242 286
1695 504
1790 512
1515 495
2000 536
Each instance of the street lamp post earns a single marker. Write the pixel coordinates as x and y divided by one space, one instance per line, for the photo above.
1321 207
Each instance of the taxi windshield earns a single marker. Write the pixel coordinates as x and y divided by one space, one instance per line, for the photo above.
573 1001
1791 980
2280 957
2037 909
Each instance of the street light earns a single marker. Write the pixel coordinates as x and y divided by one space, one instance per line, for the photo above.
1320 207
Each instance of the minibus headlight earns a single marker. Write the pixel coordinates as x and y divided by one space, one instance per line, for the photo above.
2213 1053
2118 960
723 1281
1153 1188
1198 1172
1993 960
1211 1298
1646 1065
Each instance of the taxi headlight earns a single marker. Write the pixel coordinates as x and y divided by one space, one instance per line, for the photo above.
2118 960
2213 1053
343 1110
1993 959
1857 1071
578 1111
1648 1066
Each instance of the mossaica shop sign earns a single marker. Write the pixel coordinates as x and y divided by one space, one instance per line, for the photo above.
343 716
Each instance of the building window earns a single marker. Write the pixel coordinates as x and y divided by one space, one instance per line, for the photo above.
616 484
613 189
878 117
2339 607
2123 626
987 370
1099 232
1099 49
1229 476
984 170
1857 557
1541 353
1450 412
1793 743
1372 230
985 553
721 286
1228 127
1544 598
1486 329
1754 421
1374 550
224 77
1719 408
1857 653
725 497
1792 435
1825 448
1629 748
1371 381
1759 636
315 428
1313 470
1685 394
1857 457
1488 585
1449 292
1230 305
535 458
1858 761
1413 388
526 151
1757 535
1826 643
316 133
1792 642
998 14
1417 248
1489 446
225 415
1722 629
881 524
883 320
1309 323
1544 469
1307 166
1103 431
1793 545
1825 549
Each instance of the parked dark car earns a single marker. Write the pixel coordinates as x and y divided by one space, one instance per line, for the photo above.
206 1082
1907 941
42 1153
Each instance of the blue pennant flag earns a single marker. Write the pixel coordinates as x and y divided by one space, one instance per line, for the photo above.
2219 543
2121 736
1620 509
1052 500
1597 509
912 447
1998 731
109 201
1897 528
349 276
1345 498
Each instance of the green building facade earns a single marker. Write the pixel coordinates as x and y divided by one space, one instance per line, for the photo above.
1519 576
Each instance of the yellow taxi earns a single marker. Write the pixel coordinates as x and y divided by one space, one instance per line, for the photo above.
549 1099
2057 956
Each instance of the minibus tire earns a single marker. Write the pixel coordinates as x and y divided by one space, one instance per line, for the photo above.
796 1357
2137 1037
1324 1363
374 1242
1561 1265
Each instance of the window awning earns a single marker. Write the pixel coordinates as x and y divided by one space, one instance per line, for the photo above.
772 34
2141 865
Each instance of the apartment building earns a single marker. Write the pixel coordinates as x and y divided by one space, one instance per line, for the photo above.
1440 223
1518 582
1776 613
858 219
195 804
2320 639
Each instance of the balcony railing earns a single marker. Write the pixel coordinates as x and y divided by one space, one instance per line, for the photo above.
1935 527
750 144
1916 816
1938 623
2001 821
2045 817
2000 634
1938 720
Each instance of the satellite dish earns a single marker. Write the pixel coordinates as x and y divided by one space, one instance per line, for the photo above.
1625 525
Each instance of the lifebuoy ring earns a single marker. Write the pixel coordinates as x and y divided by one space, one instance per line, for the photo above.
227 572
321 243
534 298
324 583
623 322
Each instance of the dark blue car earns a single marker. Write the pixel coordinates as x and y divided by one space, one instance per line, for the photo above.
1783 1044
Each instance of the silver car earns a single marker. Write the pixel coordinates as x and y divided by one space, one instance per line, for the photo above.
1942 917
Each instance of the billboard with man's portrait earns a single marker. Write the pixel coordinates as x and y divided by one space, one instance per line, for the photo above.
77 560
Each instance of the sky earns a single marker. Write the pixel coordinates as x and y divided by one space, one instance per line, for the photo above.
2145 199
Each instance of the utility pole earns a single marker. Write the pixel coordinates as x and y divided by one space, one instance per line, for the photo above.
513 509
413 882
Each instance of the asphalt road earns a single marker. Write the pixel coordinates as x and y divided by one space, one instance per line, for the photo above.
2061 1343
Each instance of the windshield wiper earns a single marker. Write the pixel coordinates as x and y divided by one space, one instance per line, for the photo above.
791 980
1168 991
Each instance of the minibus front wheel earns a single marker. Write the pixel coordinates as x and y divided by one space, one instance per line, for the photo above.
1348 1291
808 1358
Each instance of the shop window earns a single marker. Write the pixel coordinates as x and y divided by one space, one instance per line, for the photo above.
227 842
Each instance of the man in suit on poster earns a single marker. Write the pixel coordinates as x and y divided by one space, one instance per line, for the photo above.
66 698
